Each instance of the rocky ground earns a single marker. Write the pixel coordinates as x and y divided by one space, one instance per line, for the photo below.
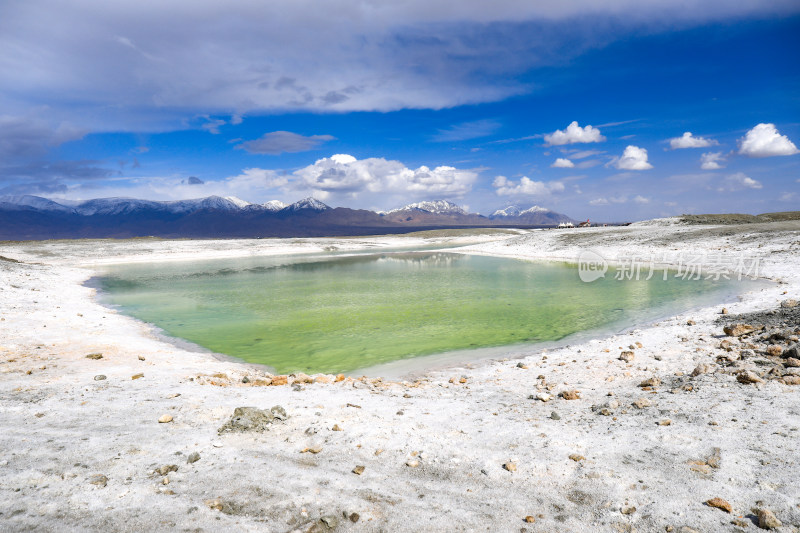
675 426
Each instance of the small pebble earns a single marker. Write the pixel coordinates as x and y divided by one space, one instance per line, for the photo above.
163 419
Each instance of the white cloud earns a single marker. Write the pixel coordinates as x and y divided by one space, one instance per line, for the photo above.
690 141
562 163
278 142
712 161
342 173
622 199
633 158
738 182
574 134
525 187
256 179
788 197
609 200
764 140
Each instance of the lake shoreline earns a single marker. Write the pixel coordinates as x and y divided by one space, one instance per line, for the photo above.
246 284
461 448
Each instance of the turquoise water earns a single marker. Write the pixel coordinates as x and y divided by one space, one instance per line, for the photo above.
336 314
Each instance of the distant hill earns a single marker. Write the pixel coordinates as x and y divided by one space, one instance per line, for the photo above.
34 218
433 213
534 215
740 218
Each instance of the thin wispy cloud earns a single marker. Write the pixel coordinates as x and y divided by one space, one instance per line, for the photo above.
467 130
279 142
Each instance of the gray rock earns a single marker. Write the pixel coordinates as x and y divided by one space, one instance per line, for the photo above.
98 479
246 419
330 521
788 304
193 457
792 351
99 377
747 354
555 416
279 412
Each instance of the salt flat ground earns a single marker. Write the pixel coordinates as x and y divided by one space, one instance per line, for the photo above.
456 449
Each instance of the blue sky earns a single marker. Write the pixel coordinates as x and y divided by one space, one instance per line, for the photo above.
568 105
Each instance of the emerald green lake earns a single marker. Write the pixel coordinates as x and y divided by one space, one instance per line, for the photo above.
341 313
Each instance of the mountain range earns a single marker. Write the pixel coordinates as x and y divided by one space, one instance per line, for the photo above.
33 217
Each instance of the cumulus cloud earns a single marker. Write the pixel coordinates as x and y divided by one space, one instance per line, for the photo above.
525 187
738 182
764 140
633 158
690 141
574 134
563 163
641 199
343 173
712 161
278 142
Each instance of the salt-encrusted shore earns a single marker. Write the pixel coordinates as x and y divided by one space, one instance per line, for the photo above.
466 449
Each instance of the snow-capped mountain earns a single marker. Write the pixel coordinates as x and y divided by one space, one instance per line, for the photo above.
222 203
33 217
122 206
534 215
515 211
35 202
273 205
439 207
510 211
306 204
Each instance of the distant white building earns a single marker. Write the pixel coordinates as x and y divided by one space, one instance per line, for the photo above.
566 225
